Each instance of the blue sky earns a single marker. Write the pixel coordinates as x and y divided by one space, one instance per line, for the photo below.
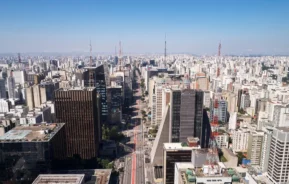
191 26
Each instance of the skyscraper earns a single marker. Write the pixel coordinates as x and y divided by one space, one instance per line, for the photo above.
95 77
11 85
77 107
278 167
186 116
220 110
2 89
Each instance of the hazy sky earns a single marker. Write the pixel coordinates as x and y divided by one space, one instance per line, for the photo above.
193 26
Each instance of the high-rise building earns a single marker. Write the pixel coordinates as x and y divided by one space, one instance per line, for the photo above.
278 163
219 110
202 82
34 146
11 86
2 89
114 103
77 107
95 77
36 95
159 99
47 89
255 144
240 93
245 101
20 76
186 115
29 97
240 139
173 153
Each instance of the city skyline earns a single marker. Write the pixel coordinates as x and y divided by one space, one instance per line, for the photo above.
243 27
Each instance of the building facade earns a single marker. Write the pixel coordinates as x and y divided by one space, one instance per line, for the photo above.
95 77
77 107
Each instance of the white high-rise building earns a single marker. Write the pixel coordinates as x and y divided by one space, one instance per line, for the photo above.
245 101
159 101
278 163
233 121
240 139
255 144
11 86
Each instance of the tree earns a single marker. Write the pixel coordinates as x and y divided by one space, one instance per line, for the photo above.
242 111
240 157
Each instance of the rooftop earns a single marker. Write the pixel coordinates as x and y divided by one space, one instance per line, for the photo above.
188 173
27 133
283 129
77 89
92 176
178 146
59 178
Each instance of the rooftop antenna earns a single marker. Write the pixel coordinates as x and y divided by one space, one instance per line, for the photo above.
165 62
119 59
90 53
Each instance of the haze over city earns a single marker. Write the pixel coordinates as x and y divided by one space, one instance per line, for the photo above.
244 27
144 92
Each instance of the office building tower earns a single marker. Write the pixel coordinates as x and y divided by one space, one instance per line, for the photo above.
219 109
95 77
240 93
47 89
266 148
159 99
202 82
2 89
5 105
240 139
255 144
11 86
19 76
186 114
29 97
245 101
77 107
173 153
174 132
207 99
36 95
278 163
35 147
114 103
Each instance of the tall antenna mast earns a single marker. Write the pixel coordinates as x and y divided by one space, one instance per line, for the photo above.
119 59
90 53
165 62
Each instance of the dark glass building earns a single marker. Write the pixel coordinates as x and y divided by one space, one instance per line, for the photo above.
187 116
95 77
174 152
114 102
78 107
33 147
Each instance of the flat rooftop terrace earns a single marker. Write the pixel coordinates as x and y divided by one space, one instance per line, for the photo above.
42 132
59 178
92 176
